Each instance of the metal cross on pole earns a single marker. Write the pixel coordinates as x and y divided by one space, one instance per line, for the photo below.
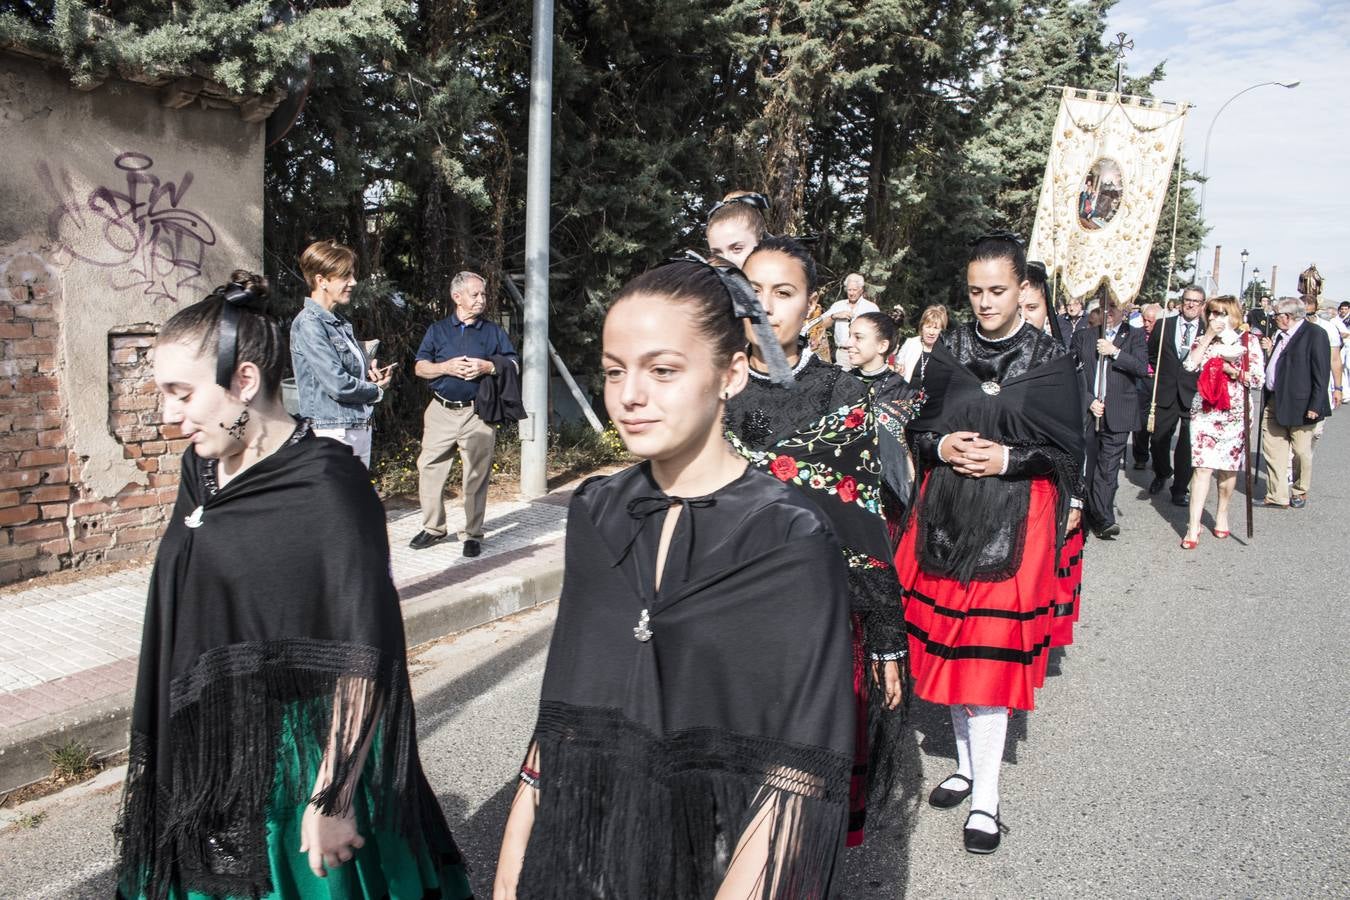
1121 46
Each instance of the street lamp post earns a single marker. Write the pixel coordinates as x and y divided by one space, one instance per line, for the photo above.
1204 166
1256 278
1242 278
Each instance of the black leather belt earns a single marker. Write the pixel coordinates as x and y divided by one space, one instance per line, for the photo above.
452 404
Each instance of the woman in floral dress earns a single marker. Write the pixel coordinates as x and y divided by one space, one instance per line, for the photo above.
1227 358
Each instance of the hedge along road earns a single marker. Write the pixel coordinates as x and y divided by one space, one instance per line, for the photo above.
1192 742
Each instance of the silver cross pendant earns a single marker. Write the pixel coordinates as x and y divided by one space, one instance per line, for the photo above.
642 632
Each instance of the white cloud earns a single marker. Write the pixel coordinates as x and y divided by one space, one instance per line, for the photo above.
1276 155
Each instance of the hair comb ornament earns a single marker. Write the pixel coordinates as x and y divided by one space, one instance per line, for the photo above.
998 236
756 200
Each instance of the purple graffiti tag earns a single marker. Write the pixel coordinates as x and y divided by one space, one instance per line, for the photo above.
142 230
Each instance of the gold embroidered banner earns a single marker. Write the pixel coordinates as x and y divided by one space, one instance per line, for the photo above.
1107 177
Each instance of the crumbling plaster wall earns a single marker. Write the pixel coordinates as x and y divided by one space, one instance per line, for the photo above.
119 211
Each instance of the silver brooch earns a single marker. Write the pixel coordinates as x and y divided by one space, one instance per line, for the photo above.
991 388
195 520
642 632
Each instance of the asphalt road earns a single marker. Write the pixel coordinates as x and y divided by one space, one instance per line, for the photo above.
1191 743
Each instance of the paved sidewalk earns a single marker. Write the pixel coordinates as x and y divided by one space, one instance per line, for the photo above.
68 651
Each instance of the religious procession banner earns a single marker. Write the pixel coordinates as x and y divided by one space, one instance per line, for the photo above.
1105 183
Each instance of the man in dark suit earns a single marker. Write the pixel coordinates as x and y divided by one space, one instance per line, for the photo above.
1149 315
1112 361
1298 373
1168 345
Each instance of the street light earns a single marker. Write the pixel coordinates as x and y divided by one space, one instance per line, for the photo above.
1242 279
1204 166
1256 278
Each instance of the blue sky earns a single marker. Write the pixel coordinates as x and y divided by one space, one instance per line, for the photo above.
1278 158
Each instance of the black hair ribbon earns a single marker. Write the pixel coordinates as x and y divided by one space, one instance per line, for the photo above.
237 297
745 305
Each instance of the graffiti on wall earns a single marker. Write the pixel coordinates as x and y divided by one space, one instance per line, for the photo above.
140 228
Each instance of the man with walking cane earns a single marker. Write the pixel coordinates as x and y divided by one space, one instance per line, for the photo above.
1112 360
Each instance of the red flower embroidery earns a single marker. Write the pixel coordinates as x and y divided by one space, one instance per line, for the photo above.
847 489
854 418
785 467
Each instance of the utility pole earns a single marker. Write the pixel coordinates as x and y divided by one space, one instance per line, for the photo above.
534 376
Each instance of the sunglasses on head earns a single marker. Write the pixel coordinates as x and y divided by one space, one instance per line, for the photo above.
758 201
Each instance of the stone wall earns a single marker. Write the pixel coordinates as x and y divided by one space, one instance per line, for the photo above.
115 212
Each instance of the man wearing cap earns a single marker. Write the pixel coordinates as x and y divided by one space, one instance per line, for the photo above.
456 352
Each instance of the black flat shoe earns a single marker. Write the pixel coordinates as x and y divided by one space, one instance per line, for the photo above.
946 798
472 548
1181 499
1108 532
982 842
424 539
1156 485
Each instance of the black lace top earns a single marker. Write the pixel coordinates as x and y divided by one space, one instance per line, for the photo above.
764 413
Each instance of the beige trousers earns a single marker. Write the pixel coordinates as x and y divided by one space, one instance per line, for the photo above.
1277 444
442 431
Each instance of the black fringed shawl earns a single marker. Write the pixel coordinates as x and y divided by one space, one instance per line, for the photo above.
656 753
895 402
271 610
1021 392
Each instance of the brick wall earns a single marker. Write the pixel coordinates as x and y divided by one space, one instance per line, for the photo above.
48 520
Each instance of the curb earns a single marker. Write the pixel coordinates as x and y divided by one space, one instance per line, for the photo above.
102 726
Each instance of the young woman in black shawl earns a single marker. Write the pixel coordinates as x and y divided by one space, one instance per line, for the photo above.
273 747
1035 306
694 730
818 434
872 339
999 451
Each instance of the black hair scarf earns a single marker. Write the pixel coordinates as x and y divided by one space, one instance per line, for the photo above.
271 610
673 723
972 529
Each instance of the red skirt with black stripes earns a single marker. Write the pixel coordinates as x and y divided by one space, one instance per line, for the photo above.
1069 576
984 644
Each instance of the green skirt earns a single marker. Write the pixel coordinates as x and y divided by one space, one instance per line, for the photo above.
388 867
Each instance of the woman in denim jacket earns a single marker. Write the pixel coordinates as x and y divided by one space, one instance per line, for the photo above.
338 385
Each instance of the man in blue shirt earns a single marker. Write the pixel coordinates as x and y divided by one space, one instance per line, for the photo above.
456 352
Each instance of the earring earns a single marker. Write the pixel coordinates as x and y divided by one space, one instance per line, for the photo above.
725 395
236 430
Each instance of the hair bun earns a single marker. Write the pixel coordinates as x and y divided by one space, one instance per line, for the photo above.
246 290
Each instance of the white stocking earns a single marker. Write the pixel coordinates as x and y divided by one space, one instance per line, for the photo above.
961 729
988 732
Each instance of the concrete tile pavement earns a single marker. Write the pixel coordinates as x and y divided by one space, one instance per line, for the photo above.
68 651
